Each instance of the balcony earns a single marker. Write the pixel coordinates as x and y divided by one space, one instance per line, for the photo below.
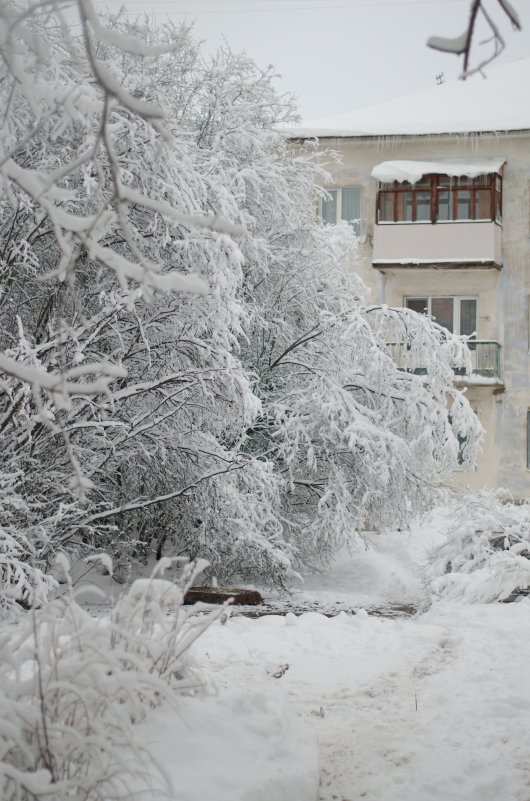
442 244
485 363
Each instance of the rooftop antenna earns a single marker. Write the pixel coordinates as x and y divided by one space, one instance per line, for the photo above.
440 78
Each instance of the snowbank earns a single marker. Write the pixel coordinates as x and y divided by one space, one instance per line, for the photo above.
240 746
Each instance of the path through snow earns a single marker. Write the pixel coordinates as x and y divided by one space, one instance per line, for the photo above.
433 708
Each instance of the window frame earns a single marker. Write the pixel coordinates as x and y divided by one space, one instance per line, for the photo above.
457 316
338 216
433 184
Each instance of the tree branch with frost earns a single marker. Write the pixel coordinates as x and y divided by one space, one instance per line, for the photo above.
60 385
144 503
305 338
462 45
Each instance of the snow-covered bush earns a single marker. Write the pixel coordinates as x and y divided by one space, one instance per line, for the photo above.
485 556
73 687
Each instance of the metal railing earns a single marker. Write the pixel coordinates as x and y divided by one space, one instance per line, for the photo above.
485 359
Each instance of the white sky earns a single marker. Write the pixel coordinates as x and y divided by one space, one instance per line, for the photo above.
338 55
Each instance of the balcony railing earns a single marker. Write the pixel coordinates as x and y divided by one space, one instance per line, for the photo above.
485 359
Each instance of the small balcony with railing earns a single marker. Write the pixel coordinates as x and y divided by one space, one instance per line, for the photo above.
485 363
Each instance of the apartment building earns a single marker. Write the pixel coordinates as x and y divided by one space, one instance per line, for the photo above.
437 186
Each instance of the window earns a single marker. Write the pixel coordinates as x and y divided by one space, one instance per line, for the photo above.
342 204
329 207
457 314
441 198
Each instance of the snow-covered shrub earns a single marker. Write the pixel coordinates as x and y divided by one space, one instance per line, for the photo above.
73 687
485 556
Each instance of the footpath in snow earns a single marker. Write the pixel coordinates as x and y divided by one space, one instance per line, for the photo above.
433 707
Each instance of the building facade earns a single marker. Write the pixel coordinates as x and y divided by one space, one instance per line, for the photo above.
437 186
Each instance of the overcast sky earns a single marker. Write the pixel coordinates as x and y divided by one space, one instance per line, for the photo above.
338 55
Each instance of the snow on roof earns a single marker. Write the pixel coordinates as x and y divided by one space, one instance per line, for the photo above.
413 171
498 102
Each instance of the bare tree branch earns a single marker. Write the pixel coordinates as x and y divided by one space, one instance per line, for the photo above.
462 45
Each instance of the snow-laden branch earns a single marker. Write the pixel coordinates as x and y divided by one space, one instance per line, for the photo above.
56 192
209 223
61 384
144 503
118 40
146 273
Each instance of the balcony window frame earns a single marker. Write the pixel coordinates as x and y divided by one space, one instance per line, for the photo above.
457 317
356 224
434 183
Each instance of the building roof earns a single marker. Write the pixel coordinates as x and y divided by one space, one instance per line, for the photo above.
497 102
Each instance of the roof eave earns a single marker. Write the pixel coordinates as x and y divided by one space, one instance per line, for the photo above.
374 136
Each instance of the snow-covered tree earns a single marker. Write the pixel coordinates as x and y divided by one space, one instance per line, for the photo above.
187 364
353 437
113 211
357 438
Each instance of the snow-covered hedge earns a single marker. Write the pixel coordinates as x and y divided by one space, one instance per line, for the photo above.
73 688
485 556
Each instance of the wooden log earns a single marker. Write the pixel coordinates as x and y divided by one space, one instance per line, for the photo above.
217 595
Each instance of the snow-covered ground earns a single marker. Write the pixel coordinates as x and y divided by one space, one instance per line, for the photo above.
387 571
313 707
433 707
